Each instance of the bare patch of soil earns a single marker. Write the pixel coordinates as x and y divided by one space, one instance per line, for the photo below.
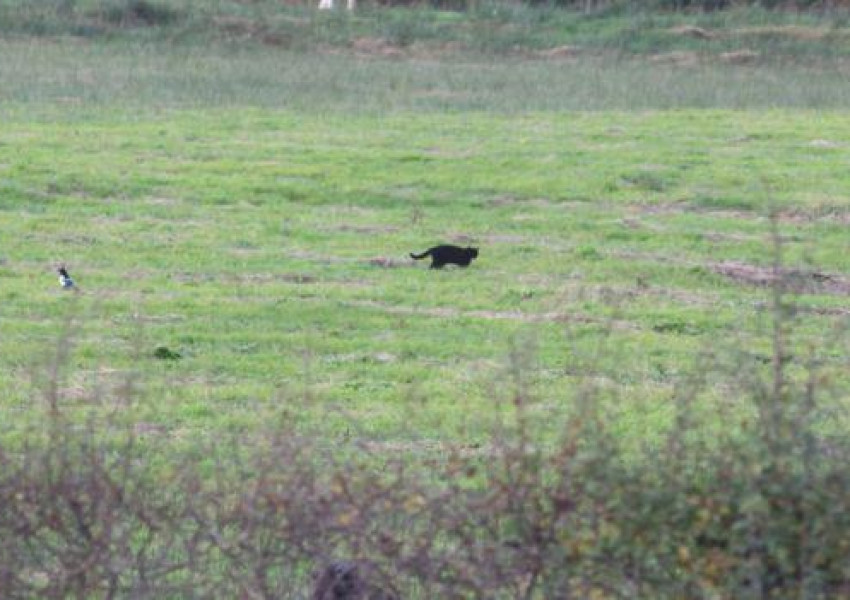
322 259
161 201
559 52
463 238
722 236
493 238
427 447
251 29
824 311
435 50
796 280
386 262
825 144
367 229
253 278
97 386
507 238
384 357
143 428
448 312
296 278
237 25
798 32
678 58
376 47
791 215
509 200
841 216
693 31
75 394
442 152
739 57
166 318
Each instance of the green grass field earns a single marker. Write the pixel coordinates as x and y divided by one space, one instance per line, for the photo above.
252 208
608 403
270 249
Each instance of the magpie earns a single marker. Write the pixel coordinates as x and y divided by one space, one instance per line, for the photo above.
64 279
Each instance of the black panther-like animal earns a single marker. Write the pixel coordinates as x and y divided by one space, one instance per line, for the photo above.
448 254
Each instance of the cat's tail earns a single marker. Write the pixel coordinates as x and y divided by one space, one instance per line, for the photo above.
420 256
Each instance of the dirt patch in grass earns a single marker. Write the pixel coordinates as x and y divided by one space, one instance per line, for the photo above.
295 278
252 30
382 48
803 281
463 238
365 229
839 215
722 236
559 52
492 238
373 47
739 57
824 311
238 26
825 144
508 238
427 447
510 200
792 215
144 428
161 201
253 278
385 262
693 31
495 315
323 259
378 261
436 151
796 280
689 58
797 32
678 58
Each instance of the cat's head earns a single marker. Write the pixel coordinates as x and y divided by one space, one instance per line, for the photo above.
473 252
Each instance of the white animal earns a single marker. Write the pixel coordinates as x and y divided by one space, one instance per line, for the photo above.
329 4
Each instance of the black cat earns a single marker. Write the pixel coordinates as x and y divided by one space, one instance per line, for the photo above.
446 254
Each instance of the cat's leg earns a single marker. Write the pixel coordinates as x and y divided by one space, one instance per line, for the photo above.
437 265
326 4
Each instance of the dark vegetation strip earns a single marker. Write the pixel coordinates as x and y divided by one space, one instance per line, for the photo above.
677 31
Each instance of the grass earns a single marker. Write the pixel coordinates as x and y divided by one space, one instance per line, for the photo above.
71 79
491 27
251 208
255 378
269 249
